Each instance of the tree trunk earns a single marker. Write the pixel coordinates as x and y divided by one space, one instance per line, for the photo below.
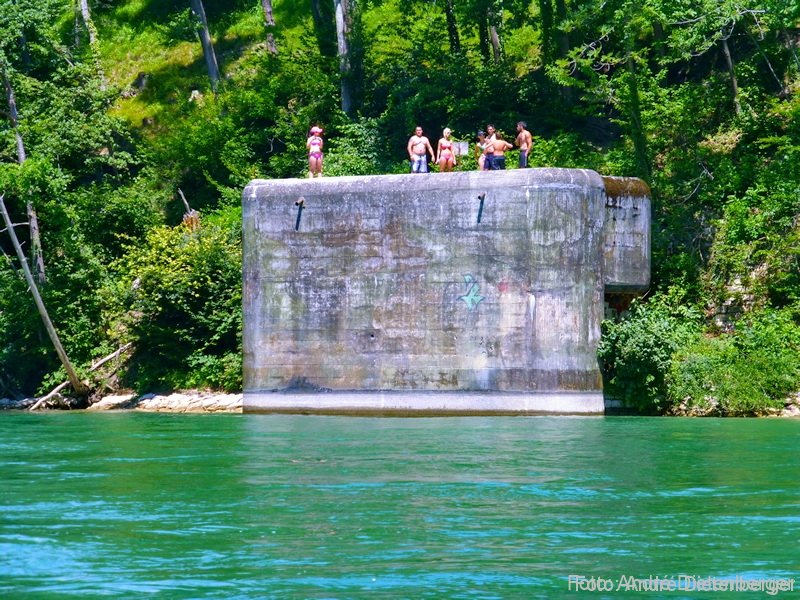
660 38
783 88
726 51
36 242
269 22
77 384
12 113
205 41
342 16
496 48
91 30
33 221
494 17
87 22
76 29
94 367
483 37
791 47
26 53
452 27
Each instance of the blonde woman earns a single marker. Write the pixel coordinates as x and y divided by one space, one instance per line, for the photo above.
445 157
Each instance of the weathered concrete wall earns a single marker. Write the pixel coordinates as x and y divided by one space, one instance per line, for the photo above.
626 247
486 288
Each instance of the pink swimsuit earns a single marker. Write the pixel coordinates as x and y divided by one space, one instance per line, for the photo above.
315 143
447 152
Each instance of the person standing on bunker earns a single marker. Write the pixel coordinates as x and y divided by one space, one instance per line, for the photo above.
488 147
314 146
480 150
525 142
418 148
497 147
445 157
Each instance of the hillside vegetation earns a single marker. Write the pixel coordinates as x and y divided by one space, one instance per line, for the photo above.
114 114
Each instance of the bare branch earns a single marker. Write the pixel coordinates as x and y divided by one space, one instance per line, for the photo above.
77 384
185 202
94 367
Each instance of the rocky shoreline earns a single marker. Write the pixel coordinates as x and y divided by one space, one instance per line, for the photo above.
791 408
177 402
198 401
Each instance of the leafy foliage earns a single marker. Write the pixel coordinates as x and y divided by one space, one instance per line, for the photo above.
740 374
357 151
637 353
699 98
180 294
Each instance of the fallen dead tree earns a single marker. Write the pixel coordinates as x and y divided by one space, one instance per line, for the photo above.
78 386
55 394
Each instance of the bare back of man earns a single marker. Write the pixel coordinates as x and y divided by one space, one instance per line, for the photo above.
498 149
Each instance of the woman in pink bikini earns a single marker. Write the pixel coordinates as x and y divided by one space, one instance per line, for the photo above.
445 156
314 145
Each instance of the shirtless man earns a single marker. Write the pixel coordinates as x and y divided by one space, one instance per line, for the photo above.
525 142
498 146
491 136
418 149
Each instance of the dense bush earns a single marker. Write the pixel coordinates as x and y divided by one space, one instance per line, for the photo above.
658 360
356 151
744 373
637 352
177 296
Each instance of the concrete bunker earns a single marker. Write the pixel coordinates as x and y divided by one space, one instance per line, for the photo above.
465 292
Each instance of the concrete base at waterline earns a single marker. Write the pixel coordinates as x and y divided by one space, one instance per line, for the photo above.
426 403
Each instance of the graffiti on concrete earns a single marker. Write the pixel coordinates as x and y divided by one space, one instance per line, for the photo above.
472 298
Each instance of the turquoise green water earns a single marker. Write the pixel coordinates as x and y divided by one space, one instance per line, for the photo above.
131 505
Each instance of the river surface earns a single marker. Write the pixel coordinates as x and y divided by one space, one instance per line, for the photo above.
133 505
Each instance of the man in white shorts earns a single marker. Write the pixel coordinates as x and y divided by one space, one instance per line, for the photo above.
418 149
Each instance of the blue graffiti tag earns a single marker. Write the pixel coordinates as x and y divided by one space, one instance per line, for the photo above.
472 298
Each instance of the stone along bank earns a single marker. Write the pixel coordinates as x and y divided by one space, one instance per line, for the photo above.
465 292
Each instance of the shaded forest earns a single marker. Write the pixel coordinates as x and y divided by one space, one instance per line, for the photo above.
130 127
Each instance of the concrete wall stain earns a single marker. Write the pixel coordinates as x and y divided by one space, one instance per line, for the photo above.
366 294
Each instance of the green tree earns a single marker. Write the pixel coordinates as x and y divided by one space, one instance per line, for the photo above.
179 295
